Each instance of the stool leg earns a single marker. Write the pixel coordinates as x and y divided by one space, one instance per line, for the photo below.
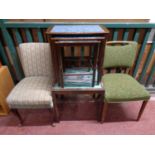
16 112
104 112
142 109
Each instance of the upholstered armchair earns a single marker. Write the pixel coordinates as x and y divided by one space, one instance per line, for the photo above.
34 91
121 87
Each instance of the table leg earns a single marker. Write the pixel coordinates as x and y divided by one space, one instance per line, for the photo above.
95 64
61 74
101 59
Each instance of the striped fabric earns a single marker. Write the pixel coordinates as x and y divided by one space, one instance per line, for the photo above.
34 91
31 92
36 59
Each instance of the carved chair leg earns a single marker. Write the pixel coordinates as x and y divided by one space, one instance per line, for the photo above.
104 111
16 112
142 109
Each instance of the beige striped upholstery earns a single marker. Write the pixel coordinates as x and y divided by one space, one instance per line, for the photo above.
31 92
36 59
34 91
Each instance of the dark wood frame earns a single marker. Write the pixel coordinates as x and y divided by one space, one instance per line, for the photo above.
95 66
58 40
119 70
61 39
69 91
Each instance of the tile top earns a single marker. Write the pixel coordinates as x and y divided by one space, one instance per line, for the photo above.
77 29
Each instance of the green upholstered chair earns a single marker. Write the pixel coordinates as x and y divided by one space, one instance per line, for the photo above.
120 86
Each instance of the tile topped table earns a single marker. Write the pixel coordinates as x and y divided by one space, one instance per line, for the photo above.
93 36
77 29
87 96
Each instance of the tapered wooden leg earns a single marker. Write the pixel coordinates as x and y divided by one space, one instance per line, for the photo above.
56 114
94 96
52 117
142 110
16 112
94 75
55 110
104 112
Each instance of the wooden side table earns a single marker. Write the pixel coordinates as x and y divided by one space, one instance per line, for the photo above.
61 36
58 92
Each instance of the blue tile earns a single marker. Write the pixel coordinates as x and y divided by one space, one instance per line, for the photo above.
76 29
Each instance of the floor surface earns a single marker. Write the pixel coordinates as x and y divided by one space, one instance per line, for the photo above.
120 120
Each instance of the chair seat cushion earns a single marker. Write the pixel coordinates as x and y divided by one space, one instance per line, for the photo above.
123 87
31 92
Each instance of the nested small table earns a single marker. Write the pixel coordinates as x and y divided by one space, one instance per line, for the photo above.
61 36
96 93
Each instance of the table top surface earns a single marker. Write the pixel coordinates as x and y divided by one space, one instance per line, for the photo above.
76 29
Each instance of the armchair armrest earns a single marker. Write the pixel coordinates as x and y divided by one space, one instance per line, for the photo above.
113 43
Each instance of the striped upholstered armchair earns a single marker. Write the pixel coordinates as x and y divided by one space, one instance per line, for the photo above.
34 91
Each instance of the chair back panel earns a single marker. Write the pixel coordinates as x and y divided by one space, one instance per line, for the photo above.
119 55
36 59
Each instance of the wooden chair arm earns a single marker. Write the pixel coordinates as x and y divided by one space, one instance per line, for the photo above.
6 85
6 82
118 42
4 108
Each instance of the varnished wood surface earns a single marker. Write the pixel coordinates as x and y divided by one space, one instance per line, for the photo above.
6 85
60 39
71 103
77 90
77 38
79 20
77 43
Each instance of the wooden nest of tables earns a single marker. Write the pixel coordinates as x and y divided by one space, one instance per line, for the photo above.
77 36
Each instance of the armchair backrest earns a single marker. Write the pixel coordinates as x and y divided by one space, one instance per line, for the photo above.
119 54
36 59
